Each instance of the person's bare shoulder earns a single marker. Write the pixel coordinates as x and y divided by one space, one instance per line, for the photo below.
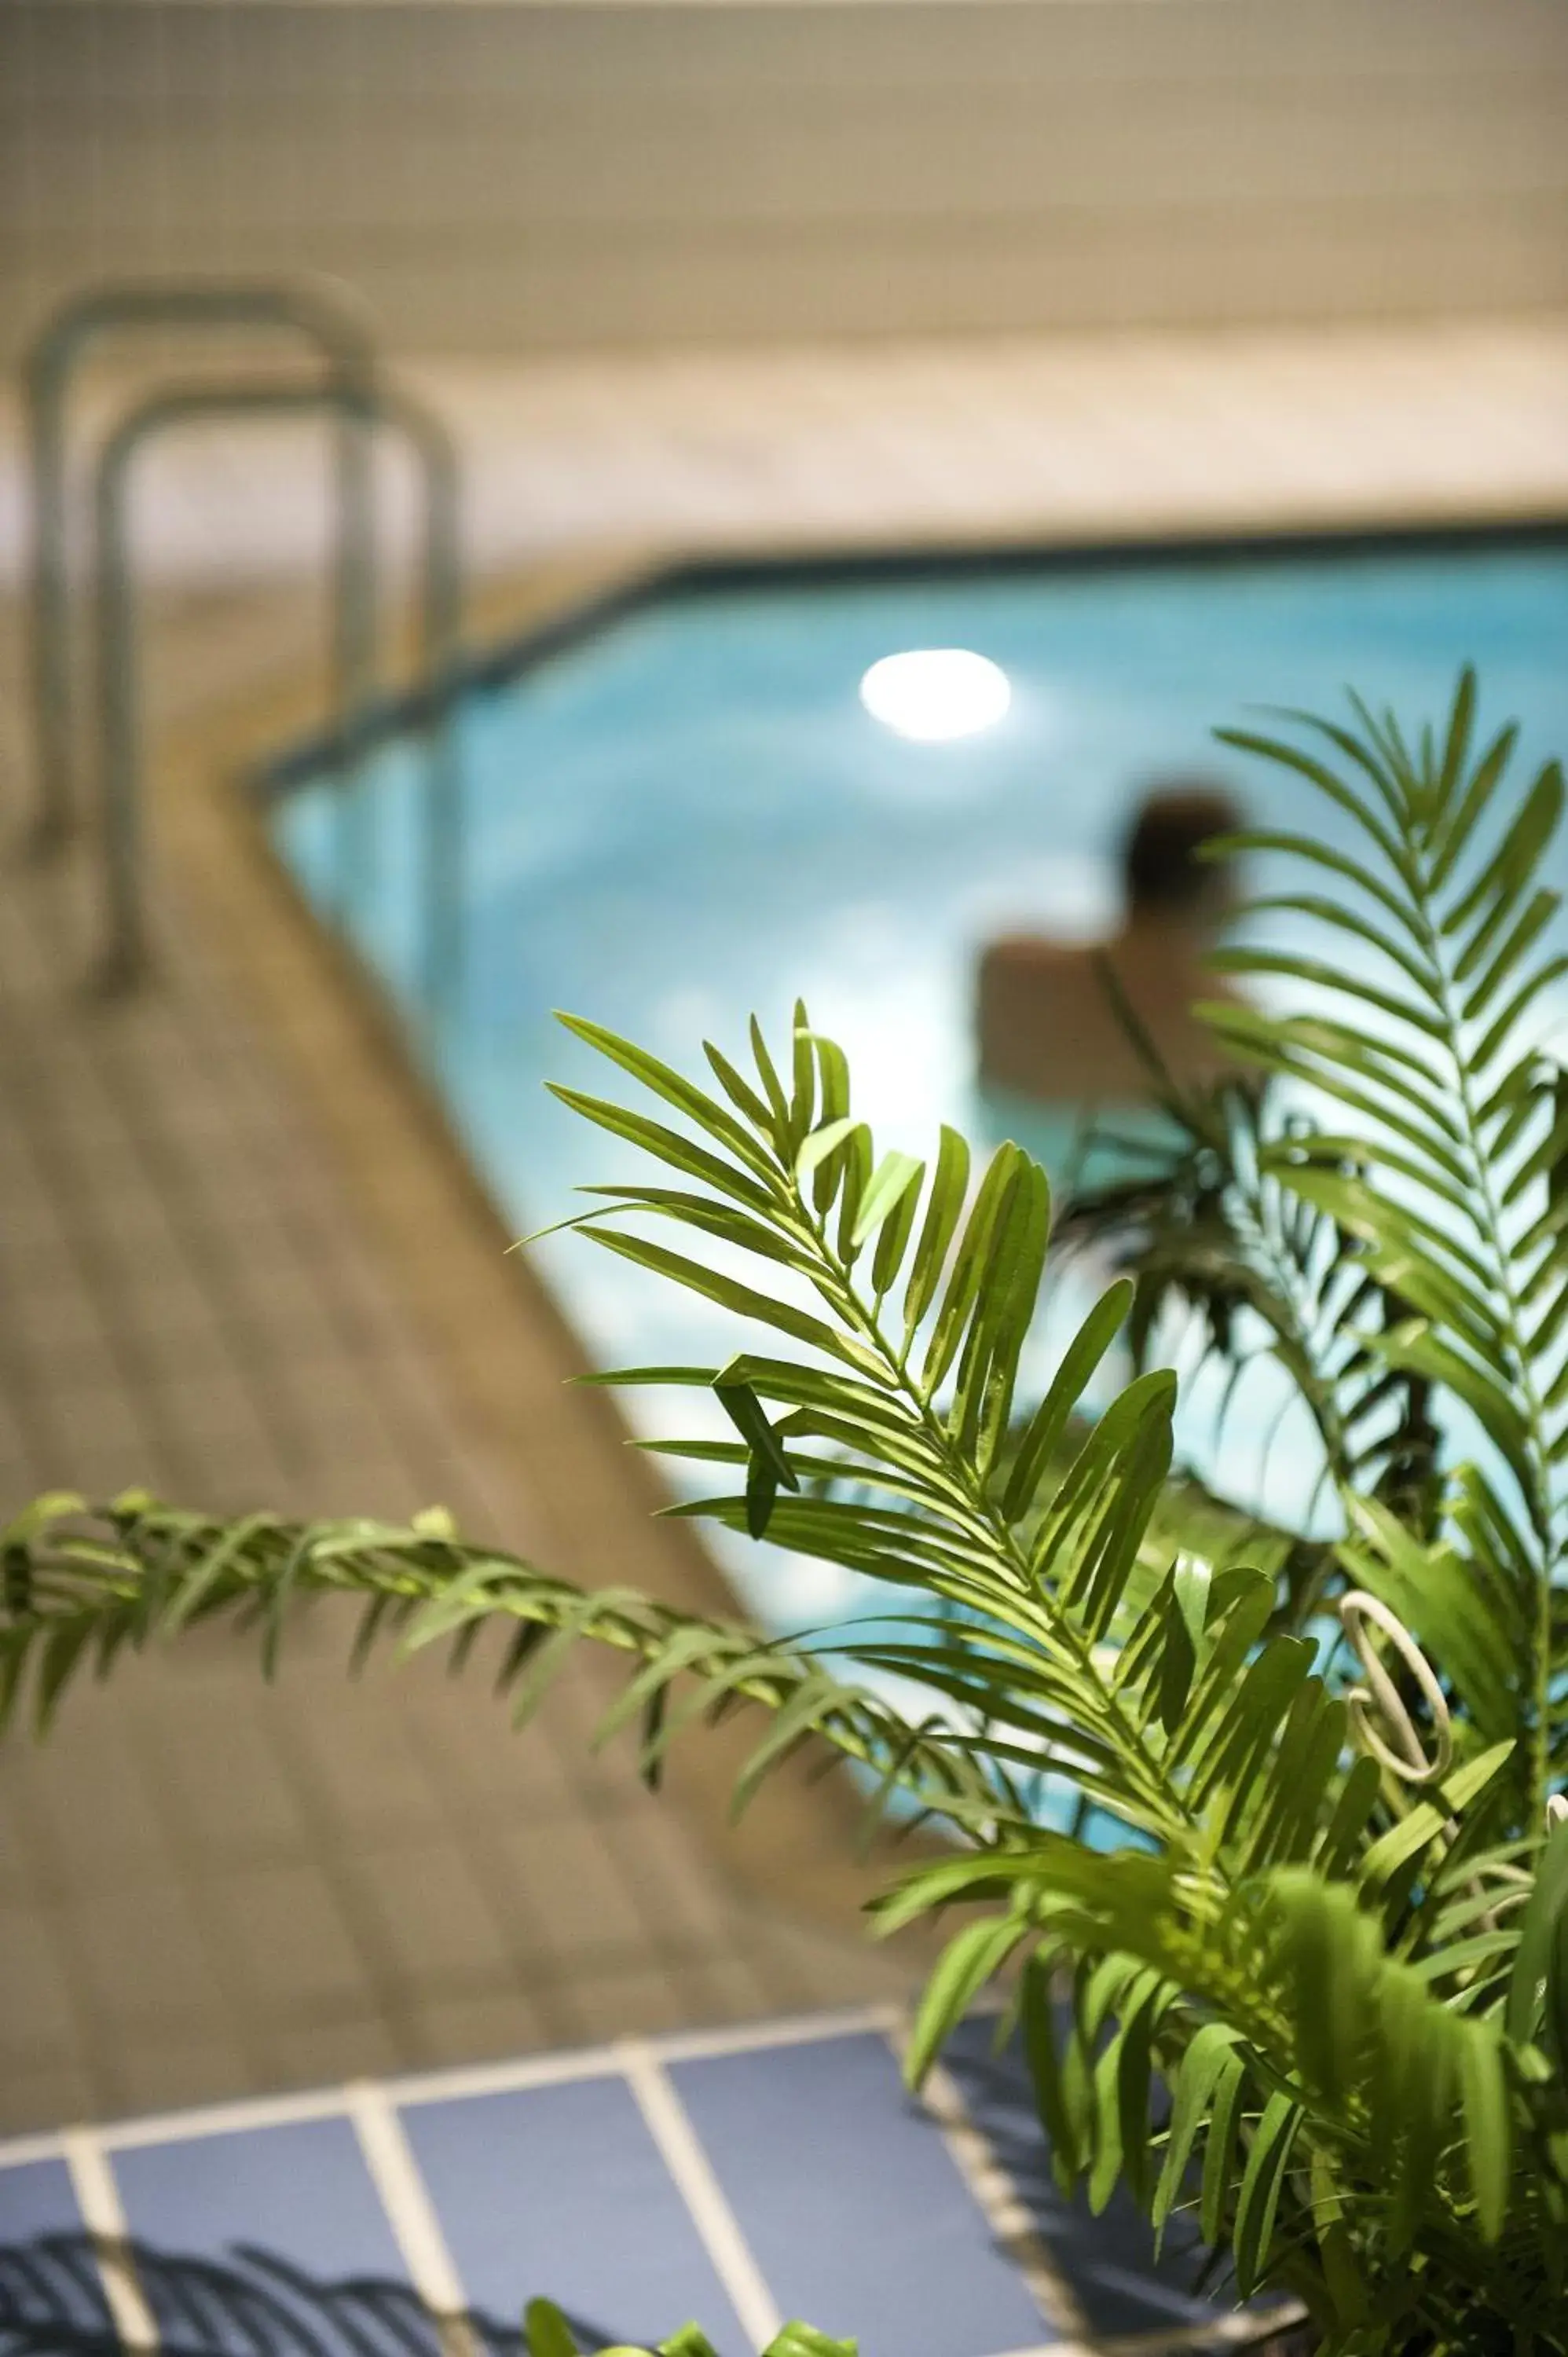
1046 1025
1033 954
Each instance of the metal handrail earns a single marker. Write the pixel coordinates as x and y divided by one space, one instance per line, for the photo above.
328 317
120 764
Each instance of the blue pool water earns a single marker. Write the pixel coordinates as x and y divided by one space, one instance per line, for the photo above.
690 815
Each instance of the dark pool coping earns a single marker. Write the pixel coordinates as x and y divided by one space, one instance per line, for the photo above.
726 571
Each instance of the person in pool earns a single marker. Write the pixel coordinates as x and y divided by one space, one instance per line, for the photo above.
1049 1030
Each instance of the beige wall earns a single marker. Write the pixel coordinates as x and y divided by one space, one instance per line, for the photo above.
497 175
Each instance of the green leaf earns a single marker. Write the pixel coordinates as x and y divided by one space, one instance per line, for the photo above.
943 1210
1461 722
773 1088
1407 1841
732 1227
745 1412
1532 922
897 1230
803 1071
1322 910
30 1523
816 1149
1195 2086
666 1144
1517 855
739 1091
1038 2023
1416 1350
675 1089
969 1262
1325 856
1453 837
1220 2147
1005 1297
890 1182
1537 1939
1077 1364
1487 2128
1257 2204
1289 757
1185 1613
1324 977
970 1959
801 2341
1342 2274
547 2331
853 1165
730 1294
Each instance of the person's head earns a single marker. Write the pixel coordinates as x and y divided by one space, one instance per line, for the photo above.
1166 879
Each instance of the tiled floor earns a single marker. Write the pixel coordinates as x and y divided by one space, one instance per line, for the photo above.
891 441
741 2176
208 1887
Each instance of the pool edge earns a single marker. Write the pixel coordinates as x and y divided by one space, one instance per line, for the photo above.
489 1320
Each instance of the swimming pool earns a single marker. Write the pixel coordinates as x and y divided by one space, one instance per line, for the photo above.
688 813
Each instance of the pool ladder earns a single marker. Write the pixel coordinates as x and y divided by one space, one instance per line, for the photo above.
348 387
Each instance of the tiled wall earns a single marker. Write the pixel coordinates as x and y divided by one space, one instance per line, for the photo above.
498 175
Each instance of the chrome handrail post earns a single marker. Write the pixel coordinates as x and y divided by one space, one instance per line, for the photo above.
327 317
120 813
354 637
115 613
442 942
48 604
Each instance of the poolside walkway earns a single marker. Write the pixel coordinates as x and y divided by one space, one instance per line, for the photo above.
208 1888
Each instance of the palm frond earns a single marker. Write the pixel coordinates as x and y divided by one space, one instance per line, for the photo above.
1450 1177
1327 1909
84 1586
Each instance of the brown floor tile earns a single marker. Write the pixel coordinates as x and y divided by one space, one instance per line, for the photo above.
286 1944
434 1921
37 2025
311 2054
562 1892
638 2003
142 1965
446 2031
145 2076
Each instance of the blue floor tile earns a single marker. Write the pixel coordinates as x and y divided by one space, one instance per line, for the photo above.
51 2301
1108 2262
36 2198
269 2240
852 2204
561 2191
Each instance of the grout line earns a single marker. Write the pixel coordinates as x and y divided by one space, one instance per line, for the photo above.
1056 2349
794 2030
44 2144
104 2215
1000 2203
217 2119
1220 2332
687 2163
469 2078
410 2214
992 2187
604 2061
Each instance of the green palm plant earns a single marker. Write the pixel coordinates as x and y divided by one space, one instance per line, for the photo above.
1328 1918
549 2335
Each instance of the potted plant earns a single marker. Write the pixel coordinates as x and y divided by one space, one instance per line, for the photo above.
1327 1904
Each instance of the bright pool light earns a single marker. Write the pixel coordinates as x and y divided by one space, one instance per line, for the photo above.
932 693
